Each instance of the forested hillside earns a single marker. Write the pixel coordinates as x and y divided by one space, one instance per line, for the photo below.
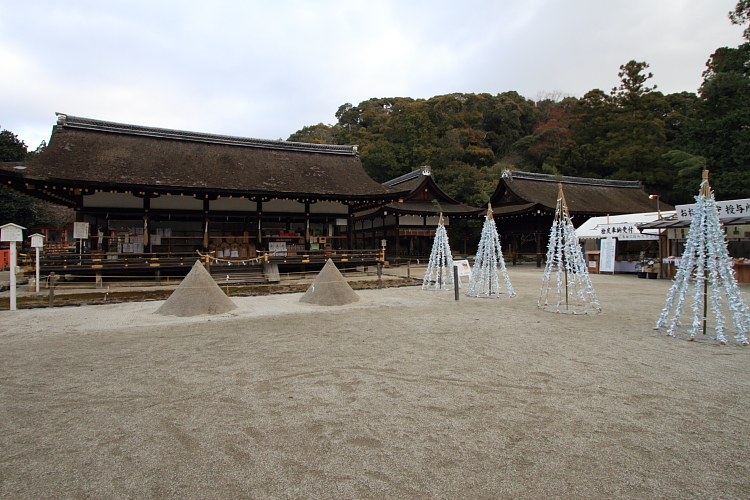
632 132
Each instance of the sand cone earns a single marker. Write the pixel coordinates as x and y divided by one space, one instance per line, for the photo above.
329 288
197 294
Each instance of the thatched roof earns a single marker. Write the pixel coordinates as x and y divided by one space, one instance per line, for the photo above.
520 192
95 153
419 201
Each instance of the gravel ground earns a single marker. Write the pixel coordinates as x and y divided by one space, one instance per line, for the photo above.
404 394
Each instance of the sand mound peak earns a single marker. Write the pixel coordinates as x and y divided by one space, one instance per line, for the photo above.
197 294
329 288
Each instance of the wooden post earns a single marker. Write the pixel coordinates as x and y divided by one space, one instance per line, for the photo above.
705 300
398 241
52 278
538 249
455 280
36 272
13 259
380 275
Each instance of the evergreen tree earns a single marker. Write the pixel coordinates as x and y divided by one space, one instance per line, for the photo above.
720 131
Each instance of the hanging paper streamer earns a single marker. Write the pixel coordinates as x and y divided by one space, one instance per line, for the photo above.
439 273
572 291
484 281
705 272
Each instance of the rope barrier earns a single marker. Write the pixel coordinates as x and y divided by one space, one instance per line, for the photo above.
207 256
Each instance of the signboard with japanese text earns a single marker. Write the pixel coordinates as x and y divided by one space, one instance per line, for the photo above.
729 209
277 248
607 255
11 232
37 241
81 230
623 231
464 269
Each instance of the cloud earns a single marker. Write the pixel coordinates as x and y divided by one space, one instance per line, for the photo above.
265 69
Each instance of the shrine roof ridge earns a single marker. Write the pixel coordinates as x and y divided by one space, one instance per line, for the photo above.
517 174
414 174
69 121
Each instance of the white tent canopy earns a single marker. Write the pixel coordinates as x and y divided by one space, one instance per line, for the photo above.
622 227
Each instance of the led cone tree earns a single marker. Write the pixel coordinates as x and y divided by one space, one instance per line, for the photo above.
484 281
705 272
439 273
572 291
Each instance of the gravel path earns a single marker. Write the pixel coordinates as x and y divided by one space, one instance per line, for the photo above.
403 394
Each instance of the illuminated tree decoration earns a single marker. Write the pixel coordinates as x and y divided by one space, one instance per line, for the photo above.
573 292
484 281
705 272
439 273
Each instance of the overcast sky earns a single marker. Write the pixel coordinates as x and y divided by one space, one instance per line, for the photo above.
266 69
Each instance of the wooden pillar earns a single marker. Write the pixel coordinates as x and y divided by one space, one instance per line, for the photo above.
260 226
351 235
206 238
307 225
538 249
398 239
105 234
385 237
663 252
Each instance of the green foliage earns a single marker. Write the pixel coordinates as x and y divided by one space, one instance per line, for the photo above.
11 147
741 16
461 136
436 207
633 132
316 134
624 134
689 173
550 133
720 131
15 207
20 209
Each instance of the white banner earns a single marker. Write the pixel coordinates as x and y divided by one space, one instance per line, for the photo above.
607 255
729 209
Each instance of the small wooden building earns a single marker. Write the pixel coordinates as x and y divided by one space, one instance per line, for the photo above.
524 206
408 224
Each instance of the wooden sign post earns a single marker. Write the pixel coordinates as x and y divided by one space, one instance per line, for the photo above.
37 243
12 233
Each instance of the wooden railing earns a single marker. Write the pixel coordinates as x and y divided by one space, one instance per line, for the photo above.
95 263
